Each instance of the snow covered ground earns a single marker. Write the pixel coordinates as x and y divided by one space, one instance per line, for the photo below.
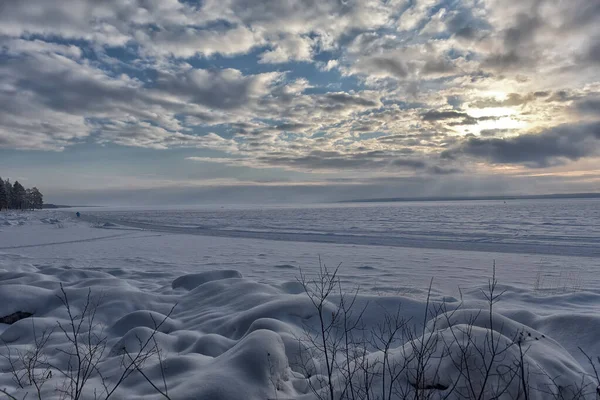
233 334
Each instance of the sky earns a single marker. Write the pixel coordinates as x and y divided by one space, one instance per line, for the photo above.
192 101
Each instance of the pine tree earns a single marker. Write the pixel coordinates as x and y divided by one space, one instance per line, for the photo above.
9 193
28 200
18 195
3 196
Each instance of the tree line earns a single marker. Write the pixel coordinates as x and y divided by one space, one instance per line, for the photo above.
15 196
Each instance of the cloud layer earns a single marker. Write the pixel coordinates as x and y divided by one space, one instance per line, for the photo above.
342 89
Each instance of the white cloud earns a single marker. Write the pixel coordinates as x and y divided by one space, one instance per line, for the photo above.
16 47
188 41
288 49
331 64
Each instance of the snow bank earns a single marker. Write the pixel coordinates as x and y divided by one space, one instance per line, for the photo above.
229 337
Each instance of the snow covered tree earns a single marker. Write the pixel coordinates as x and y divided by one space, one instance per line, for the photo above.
3 196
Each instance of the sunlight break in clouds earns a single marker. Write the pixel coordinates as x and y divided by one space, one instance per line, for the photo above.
302 91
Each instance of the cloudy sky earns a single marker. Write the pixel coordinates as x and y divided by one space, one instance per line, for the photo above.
298 100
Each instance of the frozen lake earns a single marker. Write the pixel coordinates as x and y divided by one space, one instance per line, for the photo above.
545 227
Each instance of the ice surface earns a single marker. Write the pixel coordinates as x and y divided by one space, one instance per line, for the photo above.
557 227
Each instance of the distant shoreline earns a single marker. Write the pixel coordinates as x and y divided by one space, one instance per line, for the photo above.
466 198
53 206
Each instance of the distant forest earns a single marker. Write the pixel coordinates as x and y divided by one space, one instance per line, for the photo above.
15 196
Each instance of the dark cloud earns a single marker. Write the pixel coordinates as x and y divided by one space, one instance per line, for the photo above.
560 96
438 170
471 121
334 160
415 164
551 147
465 25
519 43
346 99
508 60
218 89
493 132
425 135
63 85
363 127
442 115
292 127
522 32
462 117
388 65
589 106
455 101
593 52
581 13
438 67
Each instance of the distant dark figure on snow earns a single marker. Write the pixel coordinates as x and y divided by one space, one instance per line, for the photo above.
78 214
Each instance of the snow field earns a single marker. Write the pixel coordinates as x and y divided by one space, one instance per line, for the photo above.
223 335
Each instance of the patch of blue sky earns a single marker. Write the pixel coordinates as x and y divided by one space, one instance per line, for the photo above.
125 60
246 63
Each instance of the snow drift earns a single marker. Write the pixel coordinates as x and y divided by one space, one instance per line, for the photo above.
228 337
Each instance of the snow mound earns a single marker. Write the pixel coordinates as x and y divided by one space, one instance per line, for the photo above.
481 341
146 319
27 298
192 281
227 337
